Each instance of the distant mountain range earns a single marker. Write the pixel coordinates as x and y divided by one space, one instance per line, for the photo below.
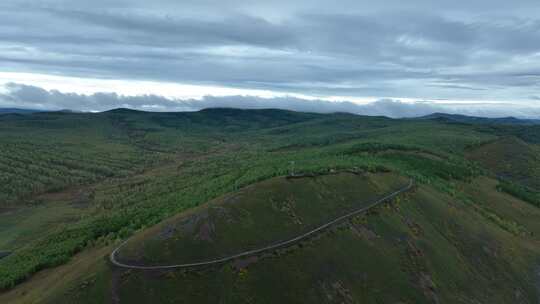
443 117
30 111
17 111
457 118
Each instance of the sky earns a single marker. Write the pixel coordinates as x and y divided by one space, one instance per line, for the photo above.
388 57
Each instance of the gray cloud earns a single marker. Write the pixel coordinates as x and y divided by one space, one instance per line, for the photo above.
24 96
476 50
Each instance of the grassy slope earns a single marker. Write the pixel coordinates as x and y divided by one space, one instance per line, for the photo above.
425 246
256 216
56 283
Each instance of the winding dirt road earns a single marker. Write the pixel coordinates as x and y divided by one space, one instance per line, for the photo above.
272 247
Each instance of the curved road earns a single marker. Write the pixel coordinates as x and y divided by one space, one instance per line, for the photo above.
286 243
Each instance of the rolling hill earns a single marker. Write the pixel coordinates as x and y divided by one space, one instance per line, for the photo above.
190 187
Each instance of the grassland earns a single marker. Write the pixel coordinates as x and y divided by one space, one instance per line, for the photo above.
131 170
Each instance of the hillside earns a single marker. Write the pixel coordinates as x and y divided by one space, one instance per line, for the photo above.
185 187
258 215
425 247
511 159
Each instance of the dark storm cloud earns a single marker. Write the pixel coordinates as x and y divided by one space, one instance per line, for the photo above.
477 50
31 97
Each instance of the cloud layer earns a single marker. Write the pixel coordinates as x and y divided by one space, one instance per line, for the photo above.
31 97
474 50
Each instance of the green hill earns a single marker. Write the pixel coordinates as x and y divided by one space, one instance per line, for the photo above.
425 247
256 216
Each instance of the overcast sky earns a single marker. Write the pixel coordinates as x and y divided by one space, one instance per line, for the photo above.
475 57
